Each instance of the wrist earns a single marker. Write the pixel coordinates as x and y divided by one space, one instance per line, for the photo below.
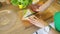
47 29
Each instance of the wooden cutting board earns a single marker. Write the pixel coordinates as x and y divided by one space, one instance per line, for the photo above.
20 27
26 27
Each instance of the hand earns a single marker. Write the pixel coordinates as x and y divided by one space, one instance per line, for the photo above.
45 6
37 22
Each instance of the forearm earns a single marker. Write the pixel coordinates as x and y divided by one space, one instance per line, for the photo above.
45 6
52 31
37 22
41 24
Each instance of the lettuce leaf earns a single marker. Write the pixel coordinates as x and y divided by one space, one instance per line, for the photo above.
15 2
25 3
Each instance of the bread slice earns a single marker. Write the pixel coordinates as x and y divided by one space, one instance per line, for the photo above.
26 13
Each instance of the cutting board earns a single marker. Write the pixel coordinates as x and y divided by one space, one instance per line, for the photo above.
19 27
25 27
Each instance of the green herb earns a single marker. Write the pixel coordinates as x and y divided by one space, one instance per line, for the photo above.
24 3
15 2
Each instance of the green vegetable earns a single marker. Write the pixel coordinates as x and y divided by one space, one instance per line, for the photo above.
23 3
15 2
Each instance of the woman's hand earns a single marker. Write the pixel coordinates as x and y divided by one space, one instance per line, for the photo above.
37 22
41 24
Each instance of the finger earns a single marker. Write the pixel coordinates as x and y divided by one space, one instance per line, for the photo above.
36 22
